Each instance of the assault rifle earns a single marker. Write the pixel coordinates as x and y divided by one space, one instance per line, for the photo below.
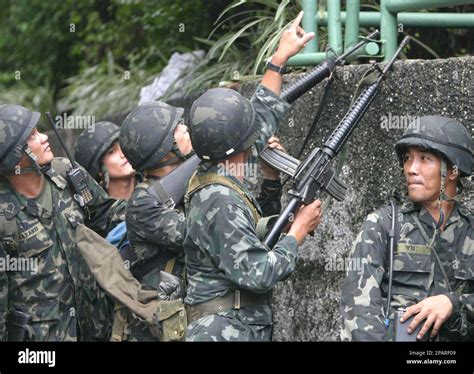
176 182
315 175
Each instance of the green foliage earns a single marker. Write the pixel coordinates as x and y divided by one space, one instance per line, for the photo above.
143 33
63 50
245 35
38 98
63 45
35 39
103 91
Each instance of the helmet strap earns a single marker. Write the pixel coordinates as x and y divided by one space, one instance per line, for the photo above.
33 161
177 152
443 196
171 161
105 176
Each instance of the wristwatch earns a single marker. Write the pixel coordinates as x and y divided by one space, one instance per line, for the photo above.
277 68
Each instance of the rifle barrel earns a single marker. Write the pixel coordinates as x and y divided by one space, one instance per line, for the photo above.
402 45
304 83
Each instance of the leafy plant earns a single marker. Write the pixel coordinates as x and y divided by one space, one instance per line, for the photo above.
36 98
103 91
246 33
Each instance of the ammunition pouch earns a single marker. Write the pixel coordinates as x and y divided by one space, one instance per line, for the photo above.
171 321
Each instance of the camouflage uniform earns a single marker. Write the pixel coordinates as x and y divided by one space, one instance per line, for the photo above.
155 228
416 274
156 235
223 252
416 271
62 297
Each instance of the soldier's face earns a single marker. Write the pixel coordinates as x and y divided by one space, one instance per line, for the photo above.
422 171
39 145
183 141
116 163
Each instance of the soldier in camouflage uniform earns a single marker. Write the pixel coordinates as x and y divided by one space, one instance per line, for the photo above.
100 154
433 263
229 270
155 142
57 299
156 226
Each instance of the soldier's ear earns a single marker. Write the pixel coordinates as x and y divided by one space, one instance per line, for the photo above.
453 172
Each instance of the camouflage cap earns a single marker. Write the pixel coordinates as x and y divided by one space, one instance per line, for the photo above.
91 146
16 125
442 135
147 134
222 123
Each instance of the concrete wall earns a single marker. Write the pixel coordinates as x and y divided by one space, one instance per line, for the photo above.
306 304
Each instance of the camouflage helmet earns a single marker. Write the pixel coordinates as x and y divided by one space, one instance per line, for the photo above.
147 134
222 123
16 125
442 135
91 146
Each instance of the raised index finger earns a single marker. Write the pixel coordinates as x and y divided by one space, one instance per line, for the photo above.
297 20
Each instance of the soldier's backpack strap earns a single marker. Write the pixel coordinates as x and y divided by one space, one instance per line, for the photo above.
158 192
198 182
9 231
170 265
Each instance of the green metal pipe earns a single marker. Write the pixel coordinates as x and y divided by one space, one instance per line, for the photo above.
334 25
306 59
412 19
397 6
372 48
388 31
310 24
351 31
454 20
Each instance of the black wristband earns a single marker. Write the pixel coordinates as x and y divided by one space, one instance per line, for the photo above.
277 68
